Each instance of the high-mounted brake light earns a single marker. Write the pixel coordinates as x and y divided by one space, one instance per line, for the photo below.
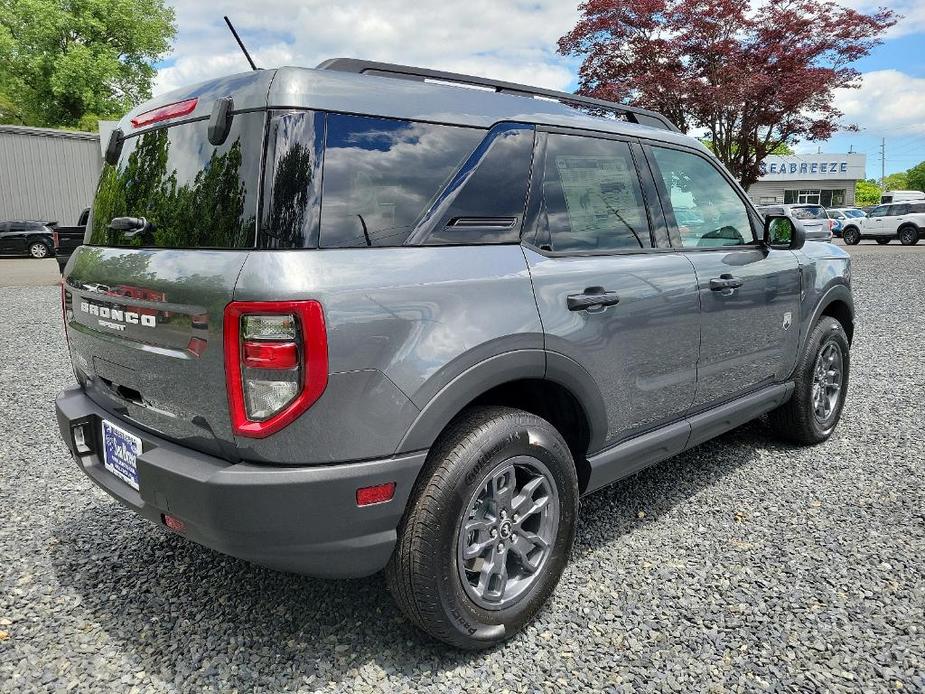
276 363
162 113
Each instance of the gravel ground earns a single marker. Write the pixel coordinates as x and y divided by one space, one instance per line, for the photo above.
742 565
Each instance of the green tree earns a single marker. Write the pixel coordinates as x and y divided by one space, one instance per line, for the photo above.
866 193
916 176
896 181
71 62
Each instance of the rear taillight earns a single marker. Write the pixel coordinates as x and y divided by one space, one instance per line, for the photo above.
162 113
55 240
276 362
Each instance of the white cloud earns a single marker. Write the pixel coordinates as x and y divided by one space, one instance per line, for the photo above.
512 40
912 11
888 101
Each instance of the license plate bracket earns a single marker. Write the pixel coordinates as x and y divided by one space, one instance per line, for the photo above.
120 453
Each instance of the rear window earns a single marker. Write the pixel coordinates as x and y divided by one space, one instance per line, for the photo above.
809 213
381 176
193 194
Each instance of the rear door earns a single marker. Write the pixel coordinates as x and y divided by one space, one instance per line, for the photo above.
146 308
612 295
749 294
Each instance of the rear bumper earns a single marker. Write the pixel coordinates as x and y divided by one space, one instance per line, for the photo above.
299 519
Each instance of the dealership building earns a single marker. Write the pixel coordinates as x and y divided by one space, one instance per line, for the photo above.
818 179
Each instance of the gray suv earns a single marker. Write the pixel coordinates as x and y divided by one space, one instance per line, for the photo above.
366 317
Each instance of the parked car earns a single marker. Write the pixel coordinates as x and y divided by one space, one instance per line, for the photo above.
813 219
66 239
840 215
26 237
901 196
905 221
423 375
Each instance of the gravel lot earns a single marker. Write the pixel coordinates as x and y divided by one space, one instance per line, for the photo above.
741 565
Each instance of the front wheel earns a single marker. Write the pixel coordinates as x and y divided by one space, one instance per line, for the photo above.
908 236
488 530
39 249
820 386
851 236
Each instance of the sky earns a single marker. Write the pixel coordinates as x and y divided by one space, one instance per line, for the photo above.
515 40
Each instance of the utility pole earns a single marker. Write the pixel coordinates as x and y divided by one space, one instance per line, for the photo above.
882 160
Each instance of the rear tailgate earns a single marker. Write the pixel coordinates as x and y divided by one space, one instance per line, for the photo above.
145 303
145 335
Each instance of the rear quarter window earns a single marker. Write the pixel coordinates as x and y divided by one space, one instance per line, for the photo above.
194 194
380 176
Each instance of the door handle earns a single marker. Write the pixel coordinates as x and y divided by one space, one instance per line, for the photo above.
725 281
590 298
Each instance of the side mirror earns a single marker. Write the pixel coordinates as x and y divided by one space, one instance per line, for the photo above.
783 232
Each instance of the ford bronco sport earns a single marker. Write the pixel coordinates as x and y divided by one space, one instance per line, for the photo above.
366 317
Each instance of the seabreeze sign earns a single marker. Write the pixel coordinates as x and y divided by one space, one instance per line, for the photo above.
819 167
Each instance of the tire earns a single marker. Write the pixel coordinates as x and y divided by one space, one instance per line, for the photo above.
485 448
851 236
39 249
883 242
908 236
799 420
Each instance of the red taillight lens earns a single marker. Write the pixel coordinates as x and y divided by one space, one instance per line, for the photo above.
271 355
379 494
276 362
162 113
55 240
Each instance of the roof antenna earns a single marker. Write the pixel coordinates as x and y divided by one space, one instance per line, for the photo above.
241 44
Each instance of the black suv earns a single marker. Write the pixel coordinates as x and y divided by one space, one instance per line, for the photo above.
26 237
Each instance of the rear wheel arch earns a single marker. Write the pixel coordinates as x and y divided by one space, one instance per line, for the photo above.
548 385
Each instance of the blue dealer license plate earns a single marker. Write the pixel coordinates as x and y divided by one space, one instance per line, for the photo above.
120 452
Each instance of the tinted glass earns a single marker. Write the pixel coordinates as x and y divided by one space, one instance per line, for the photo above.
381 176
879 211
484 203
896 210
591 196
809 213
195 195
714 213
292 184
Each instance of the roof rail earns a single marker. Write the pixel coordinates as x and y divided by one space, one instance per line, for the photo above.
369 67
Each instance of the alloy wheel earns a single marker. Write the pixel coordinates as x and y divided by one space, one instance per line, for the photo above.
507 532
827 381
38 250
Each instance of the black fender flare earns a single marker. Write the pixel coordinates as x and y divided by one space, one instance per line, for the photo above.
500 369
838 292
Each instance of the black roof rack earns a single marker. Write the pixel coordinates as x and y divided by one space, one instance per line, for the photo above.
368 67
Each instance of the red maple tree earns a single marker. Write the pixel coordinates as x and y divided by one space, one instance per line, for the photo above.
752 76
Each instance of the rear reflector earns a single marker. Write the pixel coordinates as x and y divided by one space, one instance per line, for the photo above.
173 523
380 493
162 113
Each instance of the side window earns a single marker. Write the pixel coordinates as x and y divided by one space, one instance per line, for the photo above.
484 203
708 210
592 200
380 176
897 210
879 211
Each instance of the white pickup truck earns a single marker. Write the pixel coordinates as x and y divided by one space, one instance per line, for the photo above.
903 220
